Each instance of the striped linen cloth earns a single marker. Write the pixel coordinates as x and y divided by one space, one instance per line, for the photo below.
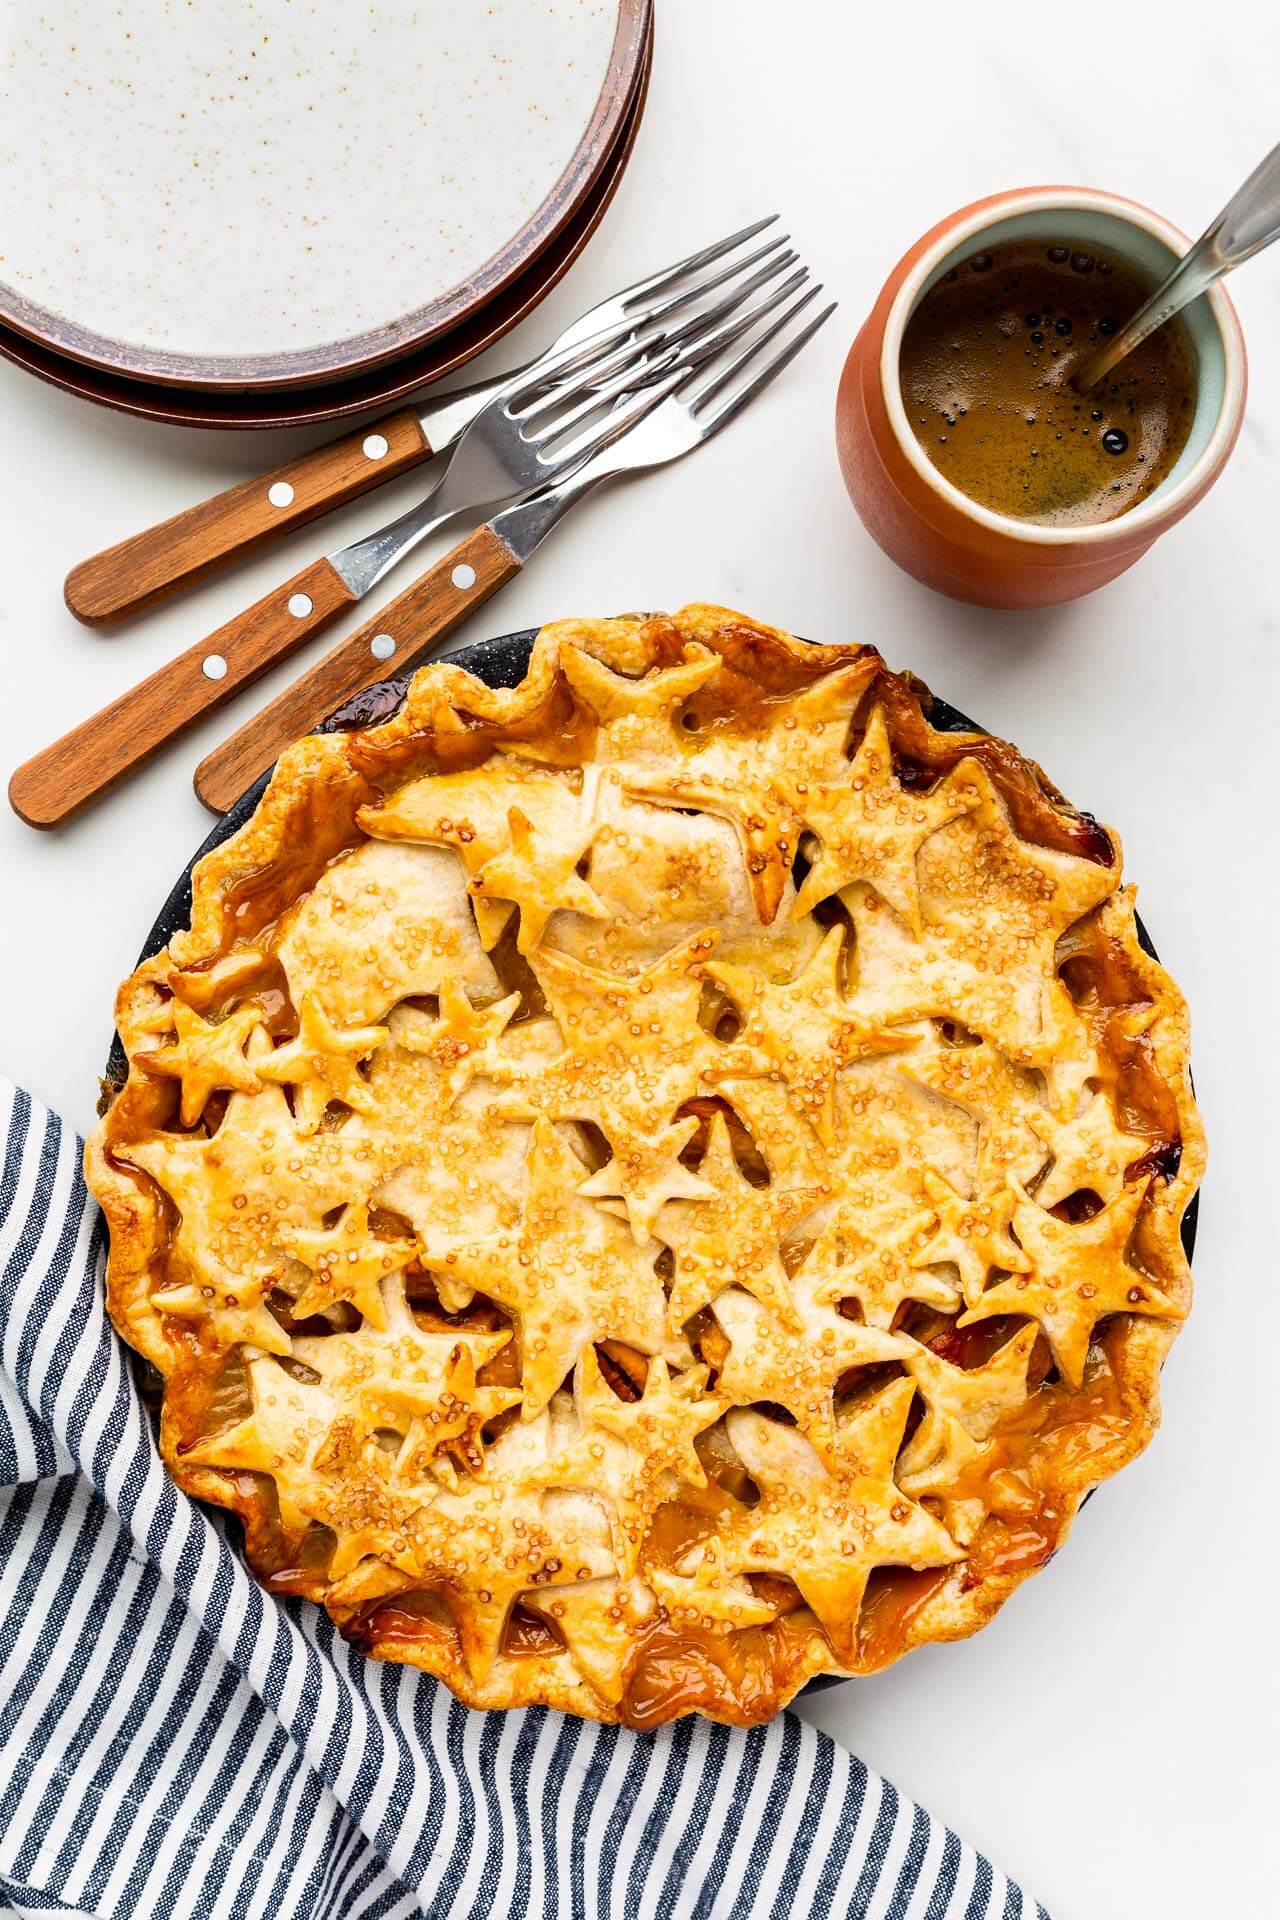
176 1742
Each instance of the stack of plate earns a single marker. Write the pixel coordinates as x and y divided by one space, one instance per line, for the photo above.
270 213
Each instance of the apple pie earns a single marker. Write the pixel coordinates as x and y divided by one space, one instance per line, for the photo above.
654 1184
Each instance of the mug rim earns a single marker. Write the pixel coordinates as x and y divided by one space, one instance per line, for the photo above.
1153 512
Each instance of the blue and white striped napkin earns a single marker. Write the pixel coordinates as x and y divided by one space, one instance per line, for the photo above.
175 1742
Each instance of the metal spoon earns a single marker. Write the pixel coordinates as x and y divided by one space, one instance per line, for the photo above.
1249 222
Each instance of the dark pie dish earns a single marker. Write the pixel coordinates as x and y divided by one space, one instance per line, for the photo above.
846 1228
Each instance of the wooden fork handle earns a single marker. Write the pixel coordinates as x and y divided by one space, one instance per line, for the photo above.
94 755
143 569
397 636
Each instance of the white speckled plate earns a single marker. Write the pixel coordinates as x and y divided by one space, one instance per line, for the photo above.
258 193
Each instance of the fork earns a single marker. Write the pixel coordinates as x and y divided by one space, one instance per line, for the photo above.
521 440
148 566
696 397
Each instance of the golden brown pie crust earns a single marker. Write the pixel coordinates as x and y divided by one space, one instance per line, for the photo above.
657 1183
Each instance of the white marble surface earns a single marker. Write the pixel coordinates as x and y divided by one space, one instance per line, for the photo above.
1110 1739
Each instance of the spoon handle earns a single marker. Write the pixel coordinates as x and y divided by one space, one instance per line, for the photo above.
1249 222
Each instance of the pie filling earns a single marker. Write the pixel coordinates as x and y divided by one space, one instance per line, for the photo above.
656 1183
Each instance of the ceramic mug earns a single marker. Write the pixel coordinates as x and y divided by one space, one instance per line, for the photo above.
929 526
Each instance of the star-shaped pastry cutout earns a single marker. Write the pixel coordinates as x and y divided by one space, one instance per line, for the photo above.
570 1272
1036 892
470 812
455 1166
233 1192
880 1273
871 827
1078 1274
828 1527
388 921
316 1437
999 1096
395 1374
746 777
232 1319
993 907
601 1621
322 1064
491 1541
633 1053
807 1028
732 1238
630 707
972 1235
462 1041
205 1057
146 1003
538 872
963 1408
796 1366
279 1437
645 1174
635 1454
704 1594
1090 1152
347 1261
323 1470
766 1109
442 1423
1004 995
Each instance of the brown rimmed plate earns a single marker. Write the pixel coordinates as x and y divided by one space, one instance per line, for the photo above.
384 213
377 387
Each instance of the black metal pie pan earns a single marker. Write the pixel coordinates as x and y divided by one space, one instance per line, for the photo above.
499 662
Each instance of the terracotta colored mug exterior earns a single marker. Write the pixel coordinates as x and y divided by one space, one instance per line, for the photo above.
925 523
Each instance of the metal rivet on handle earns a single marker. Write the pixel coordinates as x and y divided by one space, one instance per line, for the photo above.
382 646
463 577
375 446
213 667
281 494
299 605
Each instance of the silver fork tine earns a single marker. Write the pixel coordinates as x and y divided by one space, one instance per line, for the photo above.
600 354
703 287
696 352
594 382
636 374
772 368
617 310
667 276
682 379
622 334
609 358
696 394
699 350
626 413
731 301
